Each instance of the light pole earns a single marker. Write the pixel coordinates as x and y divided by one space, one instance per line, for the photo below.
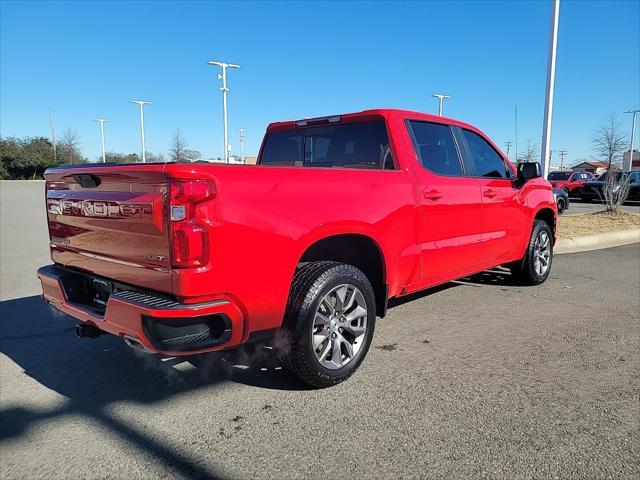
53 133
101 122
633 133
551 79
142 103
225 90
440 98
241 130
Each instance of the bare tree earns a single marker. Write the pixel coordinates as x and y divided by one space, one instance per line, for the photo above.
192 155
530 155
615 189
155 157
608 142
68 147
178 148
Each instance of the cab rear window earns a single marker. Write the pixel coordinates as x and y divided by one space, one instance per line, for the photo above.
345 145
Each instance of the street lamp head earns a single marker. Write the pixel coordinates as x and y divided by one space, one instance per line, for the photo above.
140 102
632 111
223 64
101 120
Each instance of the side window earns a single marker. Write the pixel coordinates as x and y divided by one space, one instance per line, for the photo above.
435 148
486 161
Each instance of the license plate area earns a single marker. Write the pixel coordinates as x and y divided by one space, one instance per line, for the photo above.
86 292
100 292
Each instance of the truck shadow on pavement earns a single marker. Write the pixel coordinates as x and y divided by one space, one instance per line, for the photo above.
93 374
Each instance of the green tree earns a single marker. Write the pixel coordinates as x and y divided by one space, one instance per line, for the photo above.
121 157
27 158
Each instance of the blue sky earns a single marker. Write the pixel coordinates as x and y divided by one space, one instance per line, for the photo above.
310 59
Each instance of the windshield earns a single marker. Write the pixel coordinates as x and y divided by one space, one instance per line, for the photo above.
346 145
559 175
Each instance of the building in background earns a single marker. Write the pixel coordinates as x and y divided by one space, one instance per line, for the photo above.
594 167
635 161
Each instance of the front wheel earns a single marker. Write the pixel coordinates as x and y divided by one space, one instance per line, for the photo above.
535 266
562 205
330 319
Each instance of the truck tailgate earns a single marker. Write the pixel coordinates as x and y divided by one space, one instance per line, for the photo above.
111 221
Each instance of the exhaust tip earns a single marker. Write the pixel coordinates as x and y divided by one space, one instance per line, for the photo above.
135 344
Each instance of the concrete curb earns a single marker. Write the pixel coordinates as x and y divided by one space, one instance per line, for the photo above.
585 243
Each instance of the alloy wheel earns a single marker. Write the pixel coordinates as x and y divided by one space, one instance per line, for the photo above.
339 326
542 253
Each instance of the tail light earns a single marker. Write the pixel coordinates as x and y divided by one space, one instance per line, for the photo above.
189 237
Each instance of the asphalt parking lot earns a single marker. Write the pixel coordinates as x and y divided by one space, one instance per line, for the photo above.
576 206
475 379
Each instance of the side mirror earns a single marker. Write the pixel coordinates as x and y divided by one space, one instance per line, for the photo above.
529 170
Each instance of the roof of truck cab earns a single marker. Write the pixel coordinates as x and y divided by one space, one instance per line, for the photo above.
383 112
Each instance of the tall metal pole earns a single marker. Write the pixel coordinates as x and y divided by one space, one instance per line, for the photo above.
516 114
551 79
53 134
101 122
225 90
241 130
142 103
440 98
629 165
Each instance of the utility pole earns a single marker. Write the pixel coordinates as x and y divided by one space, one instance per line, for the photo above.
628 166
440 98
551 79
241 130
223 76
142 103
508 143
101 122
53 133
562 154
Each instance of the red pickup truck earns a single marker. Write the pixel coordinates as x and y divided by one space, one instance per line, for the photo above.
570 182
339 215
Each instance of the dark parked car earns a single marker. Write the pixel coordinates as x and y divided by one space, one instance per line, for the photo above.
562 199
593 190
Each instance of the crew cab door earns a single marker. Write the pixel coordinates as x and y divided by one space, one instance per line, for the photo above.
505 222
450 206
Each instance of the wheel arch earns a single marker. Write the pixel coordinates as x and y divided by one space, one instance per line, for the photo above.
357 249
549 216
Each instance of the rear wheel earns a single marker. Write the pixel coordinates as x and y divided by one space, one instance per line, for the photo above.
534 268
330 320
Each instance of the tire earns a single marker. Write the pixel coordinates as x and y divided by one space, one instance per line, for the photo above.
566 189
309 321
562 205
528 271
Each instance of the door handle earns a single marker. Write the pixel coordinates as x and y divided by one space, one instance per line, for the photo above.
489 193
432 195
